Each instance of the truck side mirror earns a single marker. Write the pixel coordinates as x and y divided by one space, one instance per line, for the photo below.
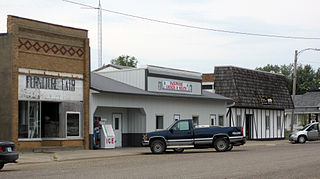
171 130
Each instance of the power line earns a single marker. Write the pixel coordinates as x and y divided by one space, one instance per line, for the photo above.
198 27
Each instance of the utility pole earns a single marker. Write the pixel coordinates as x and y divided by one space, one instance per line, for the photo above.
296 53
294 87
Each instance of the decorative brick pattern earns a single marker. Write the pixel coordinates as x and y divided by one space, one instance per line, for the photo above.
49 48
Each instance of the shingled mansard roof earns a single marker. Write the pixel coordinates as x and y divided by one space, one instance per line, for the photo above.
107 85
247 87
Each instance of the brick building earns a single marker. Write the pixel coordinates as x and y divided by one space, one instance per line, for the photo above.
44 84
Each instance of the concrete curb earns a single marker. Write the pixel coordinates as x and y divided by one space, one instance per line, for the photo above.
58 156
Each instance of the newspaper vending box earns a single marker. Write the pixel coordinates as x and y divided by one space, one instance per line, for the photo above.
107 137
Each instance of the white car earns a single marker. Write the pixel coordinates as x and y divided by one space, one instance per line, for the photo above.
309 132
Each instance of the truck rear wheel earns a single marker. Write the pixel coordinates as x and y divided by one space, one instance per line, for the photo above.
221 144
157 147
229 147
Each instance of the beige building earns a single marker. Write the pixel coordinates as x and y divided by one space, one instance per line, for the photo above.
44 84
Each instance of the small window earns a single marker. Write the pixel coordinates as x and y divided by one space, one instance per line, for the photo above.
279 122
73 124
221 122
116 123
195 120
181 126
176 117
213 119
267 122
239 120
159 122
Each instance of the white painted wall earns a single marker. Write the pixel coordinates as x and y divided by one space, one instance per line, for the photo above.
152 106
299 121
25 93
133 77
259 122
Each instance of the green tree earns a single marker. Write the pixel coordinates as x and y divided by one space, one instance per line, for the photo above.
318 78
125 60
307 78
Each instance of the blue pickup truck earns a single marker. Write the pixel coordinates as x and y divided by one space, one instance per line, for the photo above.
182 134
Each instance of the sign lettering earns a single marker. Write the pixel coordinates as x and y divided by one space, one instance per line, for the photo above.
175 86
51 83
266 100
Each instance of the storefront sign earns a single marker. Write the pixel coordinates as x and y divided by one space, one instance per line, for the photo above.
266 100
43 82
176 86
49 88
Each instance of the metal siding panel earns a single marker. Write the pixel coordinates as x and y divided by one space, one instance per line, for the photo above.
134 78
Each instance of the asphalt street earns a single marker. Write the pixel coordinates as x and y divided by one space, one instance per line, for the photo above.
277 161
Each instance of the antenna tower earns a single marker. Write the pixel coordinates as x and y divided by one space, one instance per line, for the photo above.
99 8
99 35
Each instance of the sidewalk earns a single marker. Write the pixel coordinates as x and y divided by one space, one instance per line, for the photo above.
67 155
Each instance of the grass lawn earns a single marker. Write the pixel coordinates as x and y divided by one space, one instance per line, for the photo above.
286 134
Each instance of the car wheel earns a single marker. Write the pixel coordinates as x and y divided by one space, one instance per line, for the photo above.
1 165
157 147
229 147
221 144
178 150
302 139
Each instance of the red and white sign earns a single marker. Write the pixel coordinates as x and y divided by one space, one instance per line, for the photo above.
176 86
110 140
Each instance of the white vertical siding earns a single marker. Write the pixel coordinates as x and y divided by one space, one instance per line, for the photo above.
258 122
134 77
167 106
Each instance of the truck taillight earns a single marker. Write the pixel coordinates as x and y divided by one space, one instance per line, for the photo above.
241 130
1 149
145 138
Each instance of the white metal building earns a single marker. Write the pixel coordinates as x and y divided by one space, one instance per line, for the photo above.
139 100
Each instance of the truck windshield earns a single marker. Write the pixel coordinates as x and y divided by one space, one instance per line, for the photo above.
172 125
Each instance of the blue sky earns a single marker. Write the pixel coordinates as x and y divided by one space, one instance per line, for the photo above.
183 48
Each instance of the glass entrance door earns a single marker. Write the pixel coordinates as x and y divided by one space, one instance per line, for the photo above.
34 120
29 119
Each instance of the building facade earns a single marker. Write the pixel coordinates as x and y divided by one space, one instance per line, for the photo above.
45 84
307 110
140 100
260 99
